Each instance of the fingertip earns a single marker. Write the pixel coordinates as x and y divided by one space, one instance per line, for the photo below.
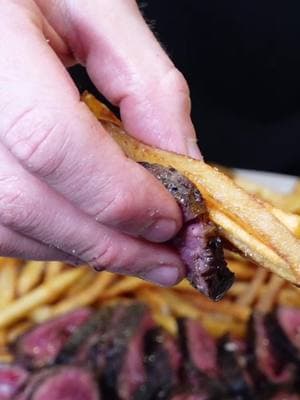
165 275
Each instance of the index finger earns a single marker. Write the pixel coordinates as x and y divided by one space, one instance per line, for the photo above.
130 68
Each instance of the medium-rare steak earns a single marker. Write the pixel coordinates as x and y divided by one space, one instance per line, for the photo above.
12 379
62 383
40 346
289 319
198 242
232 373
161 363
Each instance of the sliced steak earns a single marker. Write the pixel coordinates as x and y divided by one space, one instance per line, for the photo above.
265 362
12 380
161 366
285 395
120 354
40 346
77 348
191 376
232 373
63 383
191 396
289 319
198 242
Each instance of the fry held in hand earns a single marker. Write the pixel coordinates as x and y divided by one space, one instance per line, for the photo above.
259 233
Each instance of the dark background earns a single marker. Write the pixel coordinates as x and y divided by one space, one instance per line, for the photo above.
242 62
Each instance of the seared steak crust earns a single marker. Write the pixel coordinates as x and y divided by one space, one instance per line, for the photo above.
198 242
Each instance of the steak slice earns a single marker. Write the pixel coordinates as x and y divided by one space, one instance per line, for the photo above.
119 354
198 242
289 319
12 380
232 372
40 346
161 363
191 396
264 360
62 383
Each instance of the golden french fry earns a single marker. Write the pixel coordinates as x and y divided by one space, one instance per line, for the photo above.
181 307
271 243
166 321
124 285
87 279
31 274
218 327
154 297
52 269
41 314
249 295
6 357
268 297
226 307
8 278
87 296
17 330
45 293
242 268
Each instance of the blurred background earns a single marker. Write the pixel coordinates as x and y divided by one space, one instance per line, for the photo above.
242 62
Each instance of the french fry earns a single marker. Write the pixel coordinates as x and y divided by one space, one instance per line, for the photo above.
218 327
8 279
87 296
242 269
17 330
271 243
268 297
52 269
124 285
31 274
87 279
248 297
45 293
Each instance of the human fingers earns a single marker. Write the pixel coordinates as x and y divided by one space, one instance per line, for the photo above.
55 137
130 68
28 206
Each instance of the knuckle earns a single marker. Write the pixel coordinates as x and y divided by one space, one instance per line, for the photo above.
37 140
15 207
105 258
119 209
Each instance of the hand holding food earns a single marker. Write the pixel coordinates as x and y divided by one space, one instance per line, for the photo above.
67 192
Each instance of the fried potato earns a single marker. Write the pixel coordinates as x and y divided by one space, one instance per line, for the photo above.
31 274
247 223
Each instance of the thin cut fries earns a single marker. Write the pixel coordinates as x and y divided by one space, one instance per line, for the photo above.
30 275
268 298
247 297
43 294
8 278
247 222
52 269
87 296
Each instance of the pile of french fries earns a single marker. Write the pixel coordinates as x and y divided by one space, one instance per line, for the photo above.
32 292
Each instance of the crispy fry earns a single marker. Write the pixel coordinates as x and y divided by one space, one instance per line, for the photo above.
242 269
261 236
8 280
226 307
87 279
166 321
31 274
17 330
124 285
268 297
52 269
249 296
45 293
220 326
87 296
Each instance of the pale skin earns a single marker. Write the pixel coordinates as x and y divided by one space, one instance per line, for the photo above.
67 192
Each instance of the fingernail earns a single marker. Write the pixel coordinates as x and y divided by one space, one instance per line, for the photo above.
193 149
164 276
161 230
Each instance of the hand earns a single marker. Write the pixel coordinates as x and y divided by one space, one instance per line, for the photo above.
66 190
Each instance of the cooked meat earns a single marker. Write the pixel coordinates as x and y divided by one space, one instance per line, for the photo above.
125 352
40 346
65 383
232 372
78 347
12 380
161 366
285 395
191 396
289 319
265 363
198 242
